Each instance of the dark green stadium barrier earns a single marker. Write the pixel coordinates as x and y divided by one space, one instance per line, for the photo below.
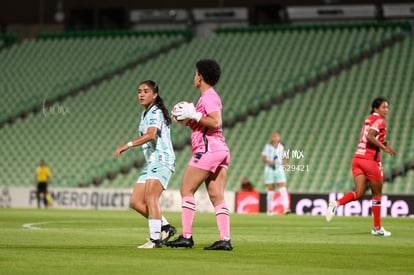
113 33
404 25
8 39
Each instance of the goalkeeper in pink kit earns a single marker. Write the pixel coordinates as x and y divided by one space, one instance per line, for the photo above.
210 157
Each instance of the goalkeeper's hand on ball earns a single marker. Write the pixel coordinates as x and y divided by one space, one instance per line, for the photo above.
187 110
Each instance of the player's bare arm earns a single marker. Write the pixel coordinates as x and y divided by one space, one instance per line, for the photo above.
285 163
212 120
264 159
149 135
371 139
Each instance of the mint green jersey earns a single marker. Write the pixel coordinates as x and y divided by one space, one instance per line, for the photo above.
159 149
276 154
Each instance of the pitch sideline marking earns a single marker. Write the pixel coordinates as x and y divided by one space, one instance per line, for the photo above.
34 226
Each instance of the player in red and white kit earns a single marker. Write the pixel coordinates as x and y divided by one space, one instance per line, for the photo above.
366 165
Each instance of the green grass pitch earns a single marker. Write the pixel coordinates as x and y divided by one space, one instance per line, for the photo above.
104 242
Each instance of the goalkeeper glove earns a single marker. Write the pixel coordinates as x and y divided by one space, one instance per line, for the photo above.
187 110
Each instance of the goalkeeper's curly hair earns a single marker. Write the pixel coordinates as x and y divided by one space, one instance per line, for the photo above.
209 69
158 101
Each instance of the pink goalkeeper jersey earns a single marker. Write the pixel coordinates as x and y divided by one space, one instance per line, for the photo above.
204 139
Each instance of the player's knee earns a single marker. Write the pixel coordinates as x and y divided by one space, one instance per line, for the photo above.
151 199
281 184
133 205
376 193
358 195
186 192
216 198
138 206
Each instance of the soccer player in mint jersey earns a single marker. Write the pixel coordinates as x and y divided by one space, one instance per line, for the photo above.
155 142
274 156
366 165
210 157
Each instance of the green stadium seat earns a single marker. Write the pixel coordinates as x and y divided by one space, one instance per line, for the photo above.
107 115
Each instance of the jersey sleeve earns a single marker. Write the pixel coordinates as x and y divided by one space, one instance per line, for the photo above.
377 124
282 151
155 118
264 151
212 103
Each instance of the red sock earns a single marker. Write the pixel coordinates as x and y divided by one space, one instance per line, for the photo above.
350 196
376 212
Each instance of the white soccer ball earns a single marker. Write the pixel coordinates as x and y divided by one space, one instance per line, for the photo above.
178 106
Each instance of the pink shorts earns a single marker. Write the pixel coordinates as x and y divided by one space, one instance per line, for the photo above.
370 168
210 161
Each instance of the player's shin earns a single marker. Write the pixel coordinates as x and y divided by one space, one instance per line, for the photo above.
187 215
269 200
223 221
376 212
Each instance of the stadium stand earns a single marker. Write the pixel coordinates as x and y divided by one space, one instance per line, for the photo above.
401 185
327 121
53 65
341 67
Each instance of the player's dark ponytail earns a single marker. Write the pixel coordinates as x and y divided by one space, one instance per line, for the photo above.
165 112
159 101
376 103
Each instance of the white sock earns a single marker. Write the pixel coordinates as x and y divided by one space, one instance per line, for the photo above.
269 199
164 221
284 195
155 229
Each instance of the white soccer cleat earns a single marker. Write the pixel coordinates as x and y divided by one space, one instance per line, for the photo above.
333 205
151 244
382 232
